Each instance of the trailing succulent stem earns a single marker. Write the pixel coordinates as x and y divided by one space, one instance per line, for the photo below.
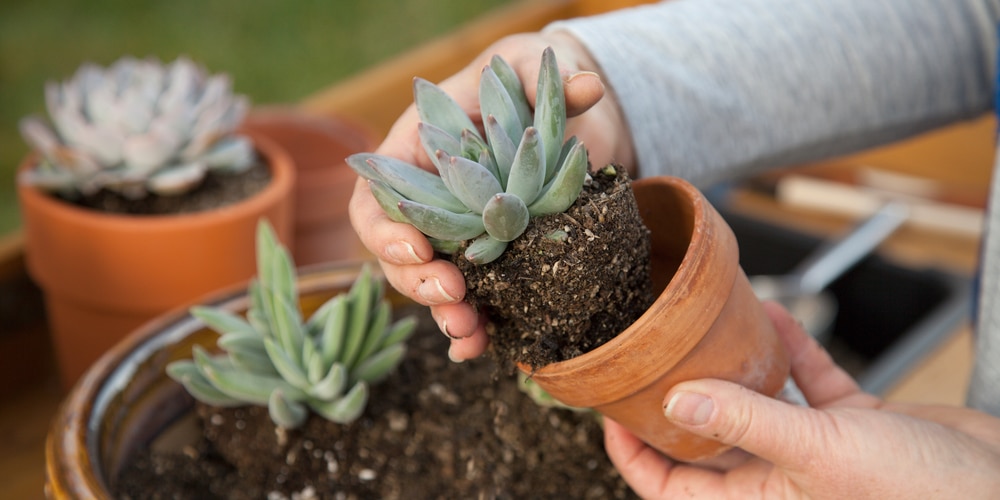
274 358
490 184
136 127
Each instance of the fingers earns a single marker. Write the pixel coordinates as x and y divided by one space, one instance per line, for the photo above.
583 90
469 347
776 431
389 241
642 467
822 382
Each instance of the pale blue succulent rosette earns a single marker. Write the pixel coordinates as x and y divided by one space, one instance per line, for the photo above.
486 190
137 127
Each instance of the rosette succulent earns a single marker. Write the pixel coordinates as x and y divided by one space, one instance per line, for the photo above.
135 127
487 188
273 358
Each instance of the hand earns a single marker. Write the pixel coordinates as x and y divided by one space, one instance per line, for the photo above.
849 444
404 253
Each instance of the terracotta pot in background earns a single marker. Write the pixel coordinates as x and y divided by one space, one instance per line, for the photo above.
126 398
104 275
706 322
318 145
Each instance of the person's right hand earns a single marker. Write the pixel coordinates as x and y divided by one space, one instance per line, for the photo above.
848 444
404 253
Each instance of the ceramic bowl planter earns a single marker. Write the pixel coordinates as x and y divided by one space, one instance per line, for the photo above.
126 398
706 322
127 427
318 145
103 275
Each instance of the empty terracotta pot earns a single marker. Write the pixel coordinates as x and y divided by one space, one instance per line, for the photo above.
706 323
318 145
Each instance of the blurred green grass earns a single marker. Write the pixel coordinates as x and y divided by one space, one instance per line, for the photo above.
275 51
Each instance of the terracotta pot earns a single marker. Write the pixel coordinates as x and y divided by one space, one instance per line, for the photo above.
706 322
318 145
126 399
103 274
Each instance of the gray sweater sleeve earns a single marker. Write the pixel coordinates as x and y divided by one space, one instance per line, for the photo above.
715 88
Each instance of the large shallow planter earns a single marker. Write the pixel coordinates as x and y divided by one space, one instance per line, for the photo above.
104 275
465 433
318 145
706 322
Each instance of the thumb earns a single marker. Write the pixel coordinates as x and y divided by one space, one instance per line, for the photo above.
774 430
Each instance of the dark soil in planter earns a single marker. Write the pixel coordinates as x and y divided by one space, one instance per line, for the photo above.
434 429
571 282
216 190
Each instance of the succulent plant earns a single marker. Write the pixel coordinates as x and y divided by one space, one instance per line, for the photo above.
274 358
487 190
135 127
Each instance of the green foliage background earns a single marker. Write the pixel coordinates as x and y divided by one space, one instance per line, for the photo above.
276 51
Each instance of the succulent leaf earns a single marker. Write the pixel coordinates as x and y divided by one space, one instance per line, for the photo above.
400 331
361 301
377 327
485 249
312 361
527 173
503 148
505 217
442 224
515 89
345 409
550 109
414 183
222 321
437 107
247 351
334 329
388 199
565 188
494 101
435 139
285 413
288 367
194 382
472 183
449 247
380 364
332 384
247 386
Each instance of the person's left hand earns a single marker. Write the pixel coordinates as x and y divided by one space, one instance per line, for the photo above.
848 444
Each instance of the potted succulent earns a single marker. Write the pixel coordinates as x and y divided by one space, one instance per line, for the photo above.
285 408
318 144
140 196
600 311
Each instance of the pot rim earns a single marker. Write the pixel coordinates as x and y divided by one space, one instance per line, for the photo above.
282 180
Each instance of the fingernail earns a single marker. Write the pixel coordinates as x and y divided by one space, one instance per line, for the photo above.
402 252
452 357
689 408
581 73
432 291
444 329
